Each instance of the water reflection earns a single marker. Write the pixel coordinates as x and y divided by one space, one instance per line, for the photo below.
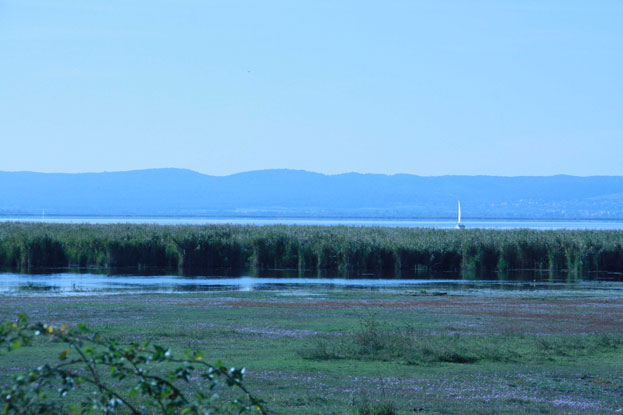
71 283
543 275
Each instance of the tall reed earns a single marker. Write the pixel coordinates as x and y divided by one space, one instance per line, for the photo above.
339 250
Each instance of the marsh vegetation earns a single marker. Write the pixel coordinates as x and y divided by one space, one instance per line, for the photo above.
339 250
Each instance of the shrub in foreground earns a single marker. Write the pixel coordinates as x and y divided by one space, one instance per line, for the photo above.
95 375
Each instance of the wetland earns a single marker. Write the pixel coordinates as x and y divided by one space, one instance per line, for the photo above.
324 350
351 333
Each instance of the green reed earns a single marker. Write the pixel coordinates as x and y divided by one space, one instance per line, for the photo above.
337 249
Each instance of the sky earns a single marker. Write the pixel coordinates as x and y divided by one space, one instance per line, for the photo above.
514 87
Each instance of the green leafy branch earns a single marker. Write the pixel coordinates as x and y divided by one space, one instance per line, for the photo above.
115 379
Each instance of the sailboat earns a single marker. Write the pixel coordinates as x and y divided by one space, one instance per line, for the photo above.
459 225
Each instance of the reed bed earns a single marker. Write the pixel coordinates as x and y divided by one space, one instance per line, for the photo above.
340 250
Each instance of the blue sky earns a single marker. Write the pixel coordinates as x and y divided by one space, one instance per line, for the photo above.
424 87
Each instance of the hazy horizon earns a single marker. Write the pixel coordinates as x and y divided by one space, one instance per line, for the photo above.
296 192
307 171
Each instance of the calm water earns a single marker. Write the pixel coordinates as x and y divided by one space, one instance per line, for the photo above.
73 284
405 223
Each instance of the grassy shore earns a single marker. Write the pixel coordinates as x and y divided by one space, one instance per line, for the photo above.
340 352
338 250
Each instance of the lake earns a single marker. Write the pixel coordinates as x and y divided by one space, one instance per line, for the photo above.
543 224
79 284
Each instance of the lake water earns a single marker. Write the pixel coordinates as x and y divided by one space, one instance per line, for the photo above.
76 284
403 223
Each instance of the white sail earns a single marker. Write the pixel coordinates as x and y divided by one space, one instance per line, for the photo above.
459 225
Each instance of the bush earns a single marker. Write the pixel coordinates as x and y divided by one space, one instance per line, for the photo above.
95 375
364 406
375 340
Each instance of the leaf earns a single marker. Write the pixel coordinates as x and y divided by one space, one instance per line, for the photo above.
16 345
63 355
133 392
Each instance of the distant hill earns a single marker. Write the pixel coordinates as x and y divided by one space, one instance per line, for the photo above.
302 193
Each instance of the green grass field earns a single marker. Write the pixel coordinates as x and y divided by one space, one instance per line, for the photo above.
328 352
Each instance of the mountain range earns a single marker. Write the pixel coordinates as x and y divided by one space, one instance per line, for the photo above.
301 193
